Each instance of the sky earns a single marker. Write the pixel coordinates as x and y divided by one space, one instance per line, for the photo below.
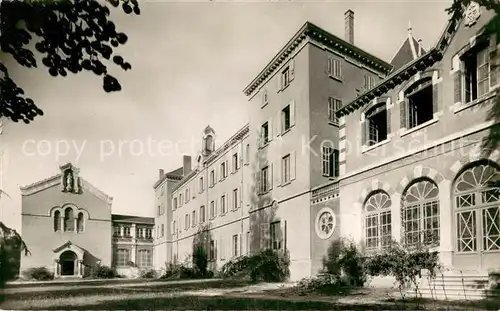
190 62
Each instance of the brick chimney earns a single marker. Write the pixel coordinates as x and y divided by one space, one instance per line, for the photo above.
162 173
186 165
349 26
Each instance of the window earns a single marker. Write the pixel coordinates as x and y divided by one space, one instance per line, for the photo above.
276 235
158 211
212 178
79 223
187 195
149 233
476 81
369 82
57 221
69 220
421 214
333 105
223 205
265 133
194 219
212 210
211 254
235 162
376 123
116 231
235 245
175 203
477 209
126 232
334 68
377 220
264 180
122 257
186 222
265 99
202 185
202 214
223 171
144 258
285 77
285 119
162 230
420 103
180 200
235 199
285 169
330 161
248 154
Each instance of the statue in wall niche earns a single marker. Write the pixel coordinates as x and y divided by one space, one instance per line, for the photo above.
69 181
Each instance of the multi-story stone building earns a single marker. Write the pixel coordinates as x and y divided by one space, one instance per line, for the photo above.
67 225
412 162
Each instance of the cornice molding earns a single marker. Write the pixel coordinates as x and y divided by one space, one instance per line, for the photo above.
309 30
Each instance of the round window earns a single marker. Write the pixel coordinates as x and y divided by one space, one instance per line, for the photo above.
325 223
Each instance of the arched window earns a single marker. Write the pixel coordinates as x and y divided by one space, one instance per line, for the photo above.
69 220
57 221
477 209
377 220
420 204
79 223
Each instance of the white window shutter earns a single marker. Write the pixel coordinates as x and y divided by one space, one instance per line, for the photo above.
270 129
292 165
270 176
292 113
240 197
283 234
278 123
278 168
292 69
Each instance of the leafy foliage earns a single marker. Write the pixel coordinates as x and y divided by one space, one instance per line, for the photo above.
404 264
201 244
148 274
182 271
266 265
100 272
345 263
11 246
74 35
322 283
38 274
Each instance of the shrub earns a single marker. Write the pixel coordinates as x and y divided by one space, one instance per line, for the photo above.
101 272
201 244
325 283
345 263
148 274
267 266
180 271
38 274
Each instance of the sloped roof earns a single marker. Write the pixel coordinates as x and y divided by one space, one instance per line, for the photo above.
133 219
405 54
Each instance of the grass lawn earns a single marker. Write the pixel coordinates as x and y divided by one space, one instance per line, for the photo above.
219 295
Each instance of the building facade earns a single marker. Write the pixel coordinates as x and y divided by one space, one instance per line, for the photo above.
413 163
68 225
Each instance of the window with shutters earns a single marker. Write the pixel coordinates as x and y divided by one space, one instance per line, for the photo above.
369 82
186 222
235 245
193 224
285 169
419 103
186 198
180 200
264 130
330 161
376 124
334 68
175 203
285 119
285 77
162 230
265 99
212 178
212 210
333 105
202 214
235 199
476 80
235 162
264 180
276 235
223 170
223 205
202 185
